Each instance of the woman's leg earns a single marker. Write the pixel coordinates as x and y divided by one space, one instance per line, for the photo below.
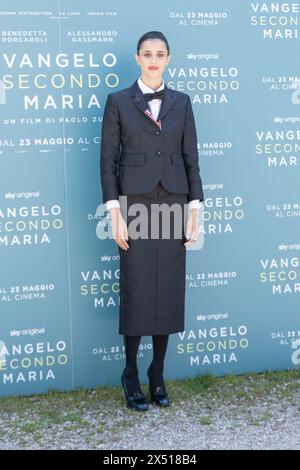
160 343
131 344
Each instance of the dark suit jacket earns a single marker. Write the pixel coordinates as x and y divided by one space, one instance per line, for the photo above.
136 154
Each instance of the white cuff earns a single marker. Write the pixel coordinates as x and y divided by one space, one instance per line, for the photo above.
112 203
194 204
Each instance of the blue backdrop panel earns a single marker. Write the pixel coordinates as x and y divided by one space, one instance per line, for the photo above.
59 282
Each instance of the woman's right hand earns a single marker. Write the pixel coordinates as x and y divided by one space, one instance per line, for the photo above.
119 228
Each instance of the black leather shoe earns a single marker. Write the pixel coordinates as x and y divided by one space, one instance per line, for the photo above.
158 394
137 399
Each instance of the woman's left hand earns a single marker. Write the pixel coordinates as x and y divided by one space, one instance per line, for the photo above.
192 227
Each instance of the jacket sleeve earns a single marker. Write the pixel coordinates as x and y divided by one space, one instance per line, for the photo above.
190 154
110 150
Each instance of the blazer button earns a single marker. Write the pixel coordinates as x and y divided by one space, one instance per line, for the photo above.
157 132
158 153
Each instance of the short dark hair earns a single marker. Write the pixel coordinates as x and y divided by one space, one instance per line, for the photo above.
152 35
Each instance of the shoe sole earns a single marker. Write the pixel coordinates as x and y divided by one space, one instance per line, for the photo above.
158 404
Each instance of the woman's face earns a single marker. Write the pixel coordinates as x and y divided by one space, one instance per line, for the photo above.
153 58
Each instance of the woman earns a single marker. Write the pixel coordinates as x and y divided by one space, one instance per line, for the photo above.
157 166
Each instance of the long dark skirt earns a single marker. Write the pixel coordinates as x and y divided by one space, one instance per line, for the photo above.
153 269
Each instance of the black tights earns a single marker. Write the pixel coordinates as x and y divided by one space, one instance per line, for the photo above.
131 343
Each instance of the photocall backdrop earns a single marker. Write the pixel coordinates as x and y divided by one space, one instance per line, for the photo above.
59 283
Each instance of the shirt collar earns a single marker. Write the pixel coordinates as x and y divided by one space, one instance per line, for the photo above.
146 89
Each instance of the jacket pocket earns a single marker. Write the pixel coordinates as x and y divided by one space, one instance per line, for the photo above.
177 159
132 159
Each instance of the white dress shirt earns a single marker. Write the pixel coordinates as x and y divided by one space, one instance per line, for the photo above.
155 108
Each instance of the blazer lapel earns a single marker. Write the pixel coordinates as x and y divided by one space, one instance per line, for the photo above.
141 102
